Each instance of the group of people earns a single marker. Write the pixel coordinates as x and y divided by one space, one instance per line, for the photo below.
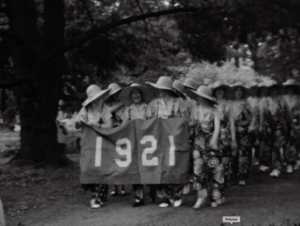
228 125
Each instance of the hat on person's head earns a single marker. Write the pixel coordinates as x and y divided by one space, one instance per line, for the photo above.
94 92
114 88
190 83
163 83
290 83
125 95
179 88
202 91
221 85
242 85
253 89
273 84
260 87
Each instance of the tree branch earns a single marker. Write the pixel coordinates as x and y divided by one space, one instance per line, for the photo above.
16 38
88 12
94 32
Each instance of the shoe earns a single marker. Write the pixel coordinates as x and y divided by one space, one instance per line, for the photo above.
95 202
123 192
297 166
138 202
263 168
199 203
177 202
165 204
242 182
289 169
275 173
114 193
214 204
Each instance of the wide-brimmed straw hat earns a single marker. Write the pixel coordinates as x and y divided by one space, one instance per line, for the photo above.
290 83
125 95
94 92
179 88
190 83
163 83
202 91
240 84
272 84
253 88
221 85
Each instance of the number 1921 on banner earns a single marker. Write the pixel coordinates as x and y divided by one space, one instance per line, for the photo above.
124 149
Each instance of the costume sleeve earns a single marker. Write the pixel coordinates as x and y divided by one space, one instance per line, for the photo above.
125 116
106 114
80 115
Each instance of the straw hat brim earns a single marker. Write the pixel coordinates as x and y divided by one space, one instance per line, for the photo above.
246 91
126 98
285 87
181 94
193 95
160 87
188 86
102 93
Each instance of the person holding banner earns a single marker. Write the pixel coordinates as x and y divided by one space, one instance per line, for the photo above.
221 92
274 118
208 166
167 106
116 108
136 97
95 114
242 120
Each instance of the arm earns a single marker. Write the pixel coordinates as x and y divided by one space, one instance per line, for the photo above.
107 124
115 107
262 114
125 117
215 136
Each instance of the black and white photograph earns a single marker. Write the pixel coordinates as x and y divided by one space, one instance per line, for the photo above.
149 112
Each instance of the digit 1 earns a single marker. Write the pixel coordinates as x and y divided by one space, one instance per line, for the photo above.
172 151
98 156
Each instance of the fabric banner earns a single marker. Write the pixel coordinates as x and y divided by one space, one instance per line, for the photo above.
154 151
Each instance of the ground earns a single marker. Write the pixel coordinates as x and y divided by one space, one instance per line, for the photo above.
34 196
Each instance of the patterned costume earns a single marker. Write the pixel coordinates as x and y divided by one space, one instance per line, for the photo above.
275 131
242 116
292 152
225 136
208 166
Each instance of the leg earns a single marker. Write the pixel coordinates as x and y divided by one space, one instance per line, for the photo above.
138 193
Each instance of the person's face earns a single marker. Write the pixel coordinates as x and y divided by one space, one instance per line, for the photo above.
238 93
164 93
290 90
220 93
136 96
273 91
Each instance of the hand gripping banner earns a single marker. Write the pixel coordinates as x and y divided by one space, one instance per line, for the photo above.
152 151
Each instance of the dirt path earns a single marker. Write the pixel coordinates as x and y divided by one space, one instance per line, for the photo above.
59 201
53 197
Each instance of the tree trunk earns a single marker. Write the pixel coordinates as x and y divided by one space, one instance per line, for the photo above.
38 100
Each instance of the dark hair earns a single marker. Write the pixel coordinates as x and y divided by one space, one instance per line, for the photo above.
139 92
